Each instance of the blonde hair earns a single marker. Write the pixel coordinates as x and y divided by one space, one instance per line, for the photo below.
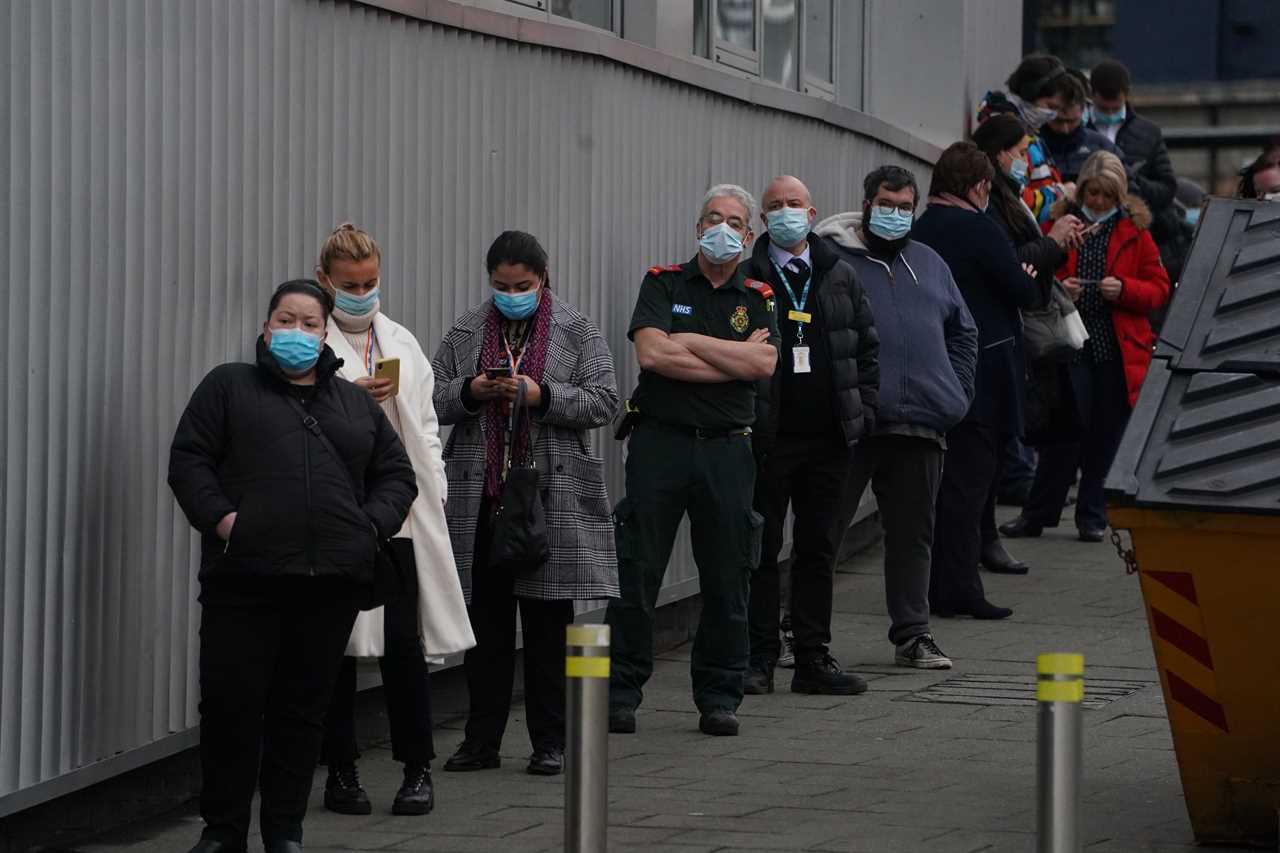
347 243
1107 170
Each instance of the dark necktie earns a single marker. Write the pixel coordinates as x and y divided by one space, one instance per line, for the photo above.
797 273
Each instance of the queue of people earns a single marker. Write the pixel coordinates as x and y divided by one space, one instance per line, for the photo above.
783 372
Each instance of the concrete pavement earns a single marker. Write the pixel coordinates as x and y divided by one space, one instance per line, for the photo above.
924 761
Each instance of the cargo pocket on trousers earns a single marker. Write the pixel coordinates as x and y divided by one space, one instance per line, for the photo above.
755 538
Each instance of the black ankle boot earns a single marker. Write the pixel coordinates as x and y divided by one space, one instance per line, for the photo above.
343 793
416 796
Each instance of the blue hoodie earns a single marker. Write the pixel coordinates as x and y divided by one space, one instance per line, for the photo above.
928 340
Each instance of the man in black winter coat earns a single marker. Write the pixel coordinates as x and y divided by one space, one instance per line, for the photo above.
809 415
1142 148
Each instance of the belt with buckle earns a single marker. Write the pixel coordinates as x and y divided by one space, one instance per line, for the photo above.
706 434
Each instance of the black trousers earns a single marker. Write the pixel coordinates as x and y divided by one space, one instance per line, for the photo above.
808 473
491 665
267 670
405 684
968 476
904 473
1102 399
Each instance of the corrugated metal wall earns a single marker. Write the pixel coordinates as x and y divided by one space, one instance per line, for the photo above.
165 163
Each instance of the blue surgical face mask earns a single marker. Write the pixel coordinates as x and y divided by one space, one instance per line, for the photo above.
1018 171
720 244
294 350
890 226
517 306
356 306
1098 217
1102 118
788 225
1193 215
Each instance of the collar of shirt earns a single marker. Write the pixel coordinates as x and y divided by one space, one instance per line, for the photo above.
782 257
736 281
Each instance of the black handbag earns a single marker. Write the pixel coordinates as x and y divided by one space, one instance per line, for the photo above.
519 544
390 578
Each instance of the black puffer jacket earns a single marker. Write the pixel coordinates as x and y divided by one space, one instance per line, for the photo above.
241 447
1142 147
851 341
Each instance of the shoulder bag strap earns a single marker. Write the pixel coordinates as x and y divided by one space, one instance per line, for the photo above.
313 427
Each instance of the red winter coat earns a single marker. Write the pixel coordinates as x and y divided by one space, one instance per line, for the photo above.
1133 258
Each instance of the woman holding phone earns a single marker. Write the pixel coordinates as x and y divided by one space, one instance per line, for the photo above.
292 476
1116 280
522 333
429 619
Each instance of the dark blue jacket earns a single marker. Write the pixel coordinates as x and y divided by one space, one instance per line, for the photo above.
995 287
928 341
1069 151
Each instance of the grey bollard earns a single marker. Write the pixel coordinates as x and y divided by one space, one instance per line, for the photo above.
586 790
1060 742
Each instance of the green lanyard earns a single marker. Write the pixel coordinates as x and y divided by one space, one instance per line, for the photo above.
798 313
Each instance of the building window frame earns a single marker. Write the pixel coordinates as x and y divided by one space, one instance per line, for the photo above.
727 53
751 63
544 8
810 85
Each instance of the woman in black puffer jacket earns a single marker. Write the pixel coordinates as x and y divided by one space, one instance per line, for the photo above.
288 545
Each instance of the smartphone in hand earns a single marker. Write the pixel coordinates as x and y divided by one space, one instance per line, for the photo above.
501 370
388 368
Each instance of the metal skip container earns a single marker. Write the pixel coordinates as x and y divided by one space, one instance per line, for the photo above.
1196 482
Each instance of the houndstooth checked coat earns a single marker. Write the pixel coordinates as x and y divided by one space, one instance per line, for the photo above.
584 395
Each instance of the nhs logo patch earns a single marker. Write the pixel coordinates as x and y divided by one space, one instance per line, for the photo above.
685 310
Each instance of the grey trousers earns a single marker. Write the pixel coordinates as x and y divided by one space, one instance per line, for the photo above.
904 474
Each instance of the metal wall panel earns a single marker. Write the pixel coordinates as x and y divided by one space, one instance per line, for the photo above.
166 162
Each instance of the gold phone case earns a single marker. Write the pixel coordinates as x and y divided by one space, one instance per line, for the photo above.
388 368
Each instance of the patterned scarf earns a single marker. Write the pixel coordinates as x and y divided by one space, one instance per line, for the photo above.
533 359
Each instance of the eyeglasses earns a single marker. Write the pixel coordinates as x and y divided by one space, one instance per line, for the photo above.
734 222
887 209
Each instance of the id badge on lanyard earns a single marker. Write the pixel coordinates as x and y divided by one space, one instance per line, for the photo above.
800 352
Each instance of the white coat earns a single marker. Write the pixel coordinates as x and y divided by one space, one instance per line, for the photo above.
442 613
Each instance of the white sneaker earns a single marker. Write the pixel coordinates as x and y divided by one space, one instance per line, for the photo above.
787 660
921 652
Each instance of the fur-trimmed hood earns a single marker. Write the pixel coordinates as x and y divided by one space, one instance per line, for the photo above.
1131 206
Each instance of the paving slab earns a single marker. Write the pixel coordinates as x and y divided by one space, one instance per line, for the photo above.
889 770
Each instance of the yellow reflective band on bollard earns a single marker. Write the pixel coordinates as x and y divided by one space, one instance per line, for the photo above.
1060 691
587 635
583 667
1060 664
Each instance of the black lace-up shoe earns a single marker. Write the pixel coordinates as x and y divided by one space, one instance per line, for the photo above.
759 679
342 791
416 796
473 757
622 721
208 845
283 846
721 722
825 676
921 652
547 762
